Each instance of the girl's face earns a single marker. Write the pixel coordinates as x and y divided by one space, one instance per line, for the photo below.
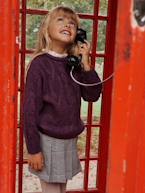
62 29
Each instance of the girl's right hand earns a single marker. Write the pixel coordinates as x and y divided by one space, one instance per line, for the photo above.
36 161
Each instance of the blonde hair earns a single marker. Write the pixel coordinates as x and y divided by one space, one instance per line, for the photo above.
43 38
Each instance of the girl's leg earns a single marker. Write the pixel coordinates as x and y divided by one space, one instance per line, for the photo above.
52 187
63 187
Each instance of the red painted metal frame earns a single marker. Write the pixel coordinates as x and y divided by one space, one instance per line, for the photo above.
106 102
126 171
106 96
9 49
21 90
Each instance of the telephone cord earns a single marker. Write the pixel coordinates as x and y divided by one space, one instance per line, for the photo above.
92 84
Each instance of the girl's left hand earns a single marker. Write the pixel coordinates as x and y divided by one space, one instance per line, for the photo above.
84 50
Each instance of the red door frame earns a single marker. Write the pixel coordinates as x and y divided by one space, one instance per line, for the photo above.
9 50
126 171
107 96
106 102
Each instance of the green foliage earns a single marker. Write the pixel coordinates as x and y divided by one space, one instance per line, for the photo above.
80 6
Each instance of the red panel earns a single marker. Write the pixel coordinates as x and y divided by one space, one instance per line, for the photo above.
126 171
8 97
22 78
106 96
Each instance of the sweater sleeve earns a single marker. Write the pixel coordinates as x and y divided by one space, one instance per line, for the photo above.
32 106
90 93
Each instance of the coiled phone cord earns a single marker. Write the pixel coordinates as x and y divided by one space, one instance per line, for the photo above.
92 84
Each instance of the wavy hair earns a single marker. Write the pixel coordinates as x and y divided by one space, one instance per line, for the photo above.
44 40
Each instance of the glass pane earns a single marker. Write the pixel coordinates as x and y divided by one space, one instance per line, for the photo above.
97 111
78 5
87 25
94 141
27 62
19 71
84 111
82 144
20 30
103 7
16 184
31 182
99 66
40 4
18 108
92 174
32 27
17 144
25 152
101 41
78 180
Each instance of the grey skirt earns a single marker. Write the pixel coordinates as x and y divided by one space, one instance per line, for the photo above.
61 160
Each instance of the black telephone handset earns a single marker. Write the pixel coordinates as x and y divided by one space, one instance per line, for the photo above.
74 61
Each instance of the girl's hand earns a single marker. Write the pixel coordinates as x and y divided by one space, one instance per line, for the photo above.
36 161
84 50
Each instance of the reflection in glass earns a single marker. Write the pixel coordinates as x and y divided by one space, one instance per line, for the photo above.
101 36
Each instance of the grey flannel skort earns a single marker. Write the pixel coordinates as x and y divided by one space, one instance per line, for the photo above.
61 159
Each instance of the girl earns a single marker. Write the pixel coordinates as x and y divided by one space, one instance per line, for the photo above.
52 101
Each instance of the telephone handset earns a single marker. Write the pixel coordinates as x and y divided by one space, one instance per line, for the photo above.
75 61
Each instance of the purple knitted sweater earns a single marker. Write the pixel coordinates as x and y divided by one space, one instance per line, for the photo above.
52 100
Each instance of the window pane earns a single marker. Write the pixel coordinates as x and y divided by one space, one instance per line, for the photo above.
78 180
27 62
94 141
31 182
96 113
82 144
79 6
18 107
92 174
101 36
103 7
84 111
99 66
17 144
87 25
32 27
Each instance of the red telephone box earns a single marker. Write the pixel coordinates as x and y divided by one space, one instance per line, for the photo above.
114 136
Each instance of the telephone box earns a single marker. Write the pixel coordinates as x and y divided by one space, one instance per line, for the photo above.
111 148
